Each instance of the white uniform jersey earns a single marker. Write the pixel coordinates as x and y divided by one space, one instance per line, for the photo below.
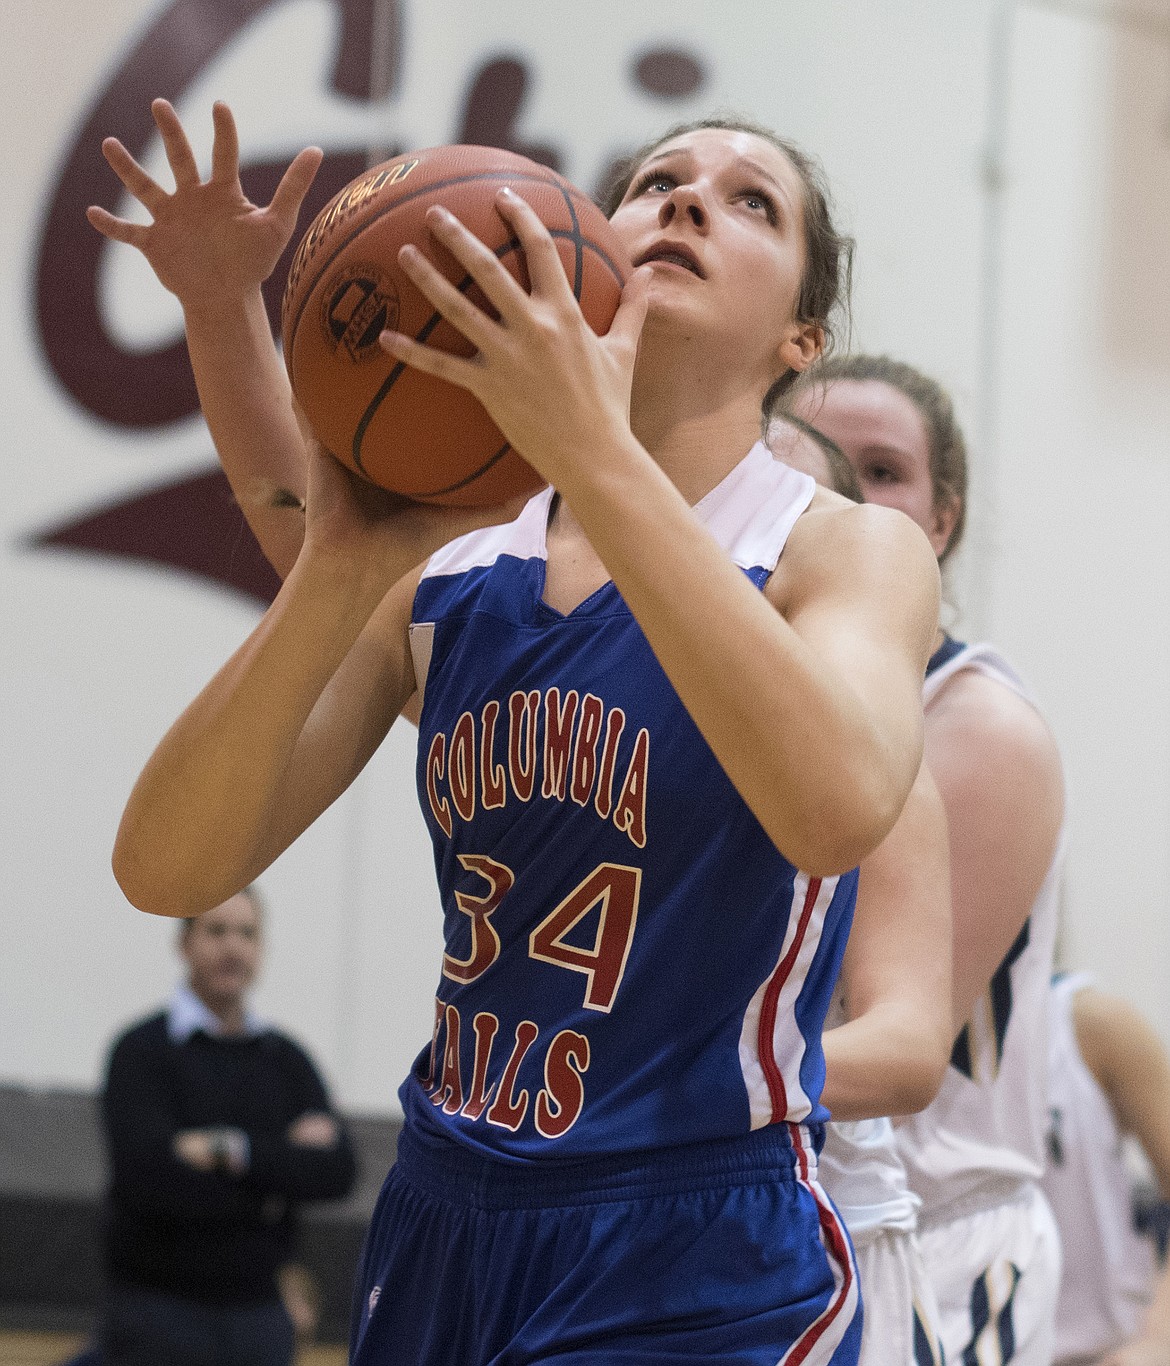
983 1136
1109 1267
861 1170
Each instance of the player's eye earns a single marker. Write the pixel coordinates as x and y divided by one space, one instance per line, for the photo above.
881 474
653 180
761 202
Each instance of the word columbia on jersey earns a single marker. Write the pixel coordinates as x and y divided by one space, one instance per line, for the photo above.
486 765
578 760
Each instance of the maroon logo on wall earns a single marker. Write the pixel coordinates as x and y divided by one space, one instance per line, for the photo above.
193 524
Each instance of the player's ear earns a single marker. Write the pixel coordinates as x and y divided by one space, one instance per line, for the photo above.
943 519
801 344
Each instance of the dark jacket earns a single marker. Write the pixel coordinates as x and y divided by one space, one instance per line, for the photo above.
211 1236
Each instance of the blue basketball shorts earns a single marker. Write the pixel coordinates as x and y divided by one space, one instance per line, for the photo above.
724 1252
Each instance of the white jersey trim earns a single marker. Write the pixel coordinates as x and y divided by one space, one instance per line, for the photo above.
771 1051
750 512
523 538
984 659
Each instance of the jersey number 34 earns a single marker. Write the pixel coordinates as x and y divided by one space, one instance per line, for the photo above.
613 888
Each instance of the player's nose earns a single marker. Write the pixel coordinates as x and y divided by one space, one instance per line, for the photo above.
684 202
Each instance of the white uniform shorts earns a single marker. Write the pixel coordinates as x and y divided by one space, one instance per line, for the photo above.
900 1324
996 1277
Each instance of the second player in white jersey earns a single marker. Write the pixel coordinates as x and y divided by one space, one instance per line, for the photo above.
974 1155
984 1134
896 968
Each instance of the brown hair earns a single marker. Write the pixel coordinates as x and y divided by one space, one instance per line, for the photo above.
944 437
251 891
842 476
828 267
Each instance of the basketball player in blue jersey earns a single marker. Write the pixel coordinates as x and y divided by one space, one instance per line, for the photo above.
631 703
975 1155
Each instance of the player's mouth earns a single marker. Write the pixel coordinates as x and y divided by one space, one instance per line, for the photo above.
672 254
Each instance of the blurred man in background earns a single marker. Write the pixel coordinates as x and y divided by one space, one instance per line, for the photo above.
217 1126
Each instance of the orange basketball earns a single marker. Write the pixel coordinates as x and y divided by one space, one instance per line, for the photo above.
400 428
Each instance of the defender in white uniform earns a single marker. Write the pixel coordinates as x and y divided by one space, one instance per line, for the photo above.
975 1155
897 966
971 1160
1110 1270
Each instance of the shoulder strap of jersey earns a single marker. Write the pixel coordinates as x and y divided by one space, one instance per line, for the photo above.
754 508
984 659
524 537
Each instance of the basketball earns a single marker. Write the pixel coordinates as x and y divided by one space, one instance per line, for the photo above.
399 428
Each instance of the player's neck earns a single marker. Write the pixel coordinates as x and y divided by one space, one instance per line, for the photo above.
697 432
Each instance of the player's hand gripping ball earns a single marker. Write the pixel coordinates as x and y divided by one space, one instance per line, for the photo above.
404 430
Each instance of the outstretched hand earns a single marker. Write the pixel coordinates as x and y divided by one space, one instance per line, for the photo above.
207 240
548 381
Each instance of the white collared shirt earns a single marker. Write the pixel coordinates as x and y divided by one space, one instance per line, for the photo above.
186 1013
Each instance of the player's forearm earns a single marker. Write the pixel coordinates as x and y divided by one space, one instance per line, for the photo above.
199 823
885 1062
1156 1329
817 767
247 403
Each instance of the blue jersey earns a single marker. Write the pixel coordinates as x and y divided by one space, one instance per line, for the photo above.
630 962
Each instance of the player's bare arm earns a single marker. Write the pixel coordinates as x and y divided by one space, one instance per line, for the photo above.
288 722
998 770
890 1056
213 249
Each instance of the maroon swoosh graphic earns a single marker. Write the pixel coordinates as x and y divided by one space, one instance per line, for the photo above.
192 525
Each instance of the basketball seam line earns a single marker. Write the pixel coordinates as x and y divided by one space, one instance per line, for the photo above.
406 199
396 372
512 244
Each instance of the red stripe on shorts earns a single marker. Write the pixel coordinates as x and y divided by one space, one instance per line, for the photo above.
837 1246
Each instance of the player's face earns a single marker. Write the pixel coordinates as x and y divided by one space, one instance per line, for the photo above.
884 437
719 215
222 950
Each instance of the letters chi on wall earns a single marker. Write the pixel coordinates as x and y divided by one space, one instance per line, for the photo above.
193 524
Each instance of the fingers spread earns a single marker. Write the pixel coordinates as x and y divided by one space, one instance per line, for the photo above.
225 147
480 262
454 369
147 191
116 228
455 306
294 184
178 149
